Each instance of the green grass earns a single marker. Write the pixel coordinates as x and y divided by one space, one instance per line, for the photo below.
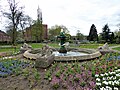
55 45
9 48
112 45
90 46
40 45
118 48
36 45
95 46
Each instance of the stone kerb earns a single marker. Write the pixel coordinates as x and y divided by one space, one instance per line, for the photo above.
91 55
29 55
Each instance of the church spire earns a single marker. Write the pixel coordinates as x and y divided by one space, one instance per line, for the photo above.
39 14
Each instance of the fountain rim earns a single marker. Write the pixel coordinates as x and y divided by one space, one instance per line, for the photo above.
91 55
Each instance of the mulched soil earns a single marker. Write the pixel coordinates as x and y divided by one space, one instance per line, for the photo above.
20 82
2 54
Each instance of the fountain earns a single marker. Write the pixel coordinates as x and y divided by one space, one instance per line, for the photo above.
70 54
62 53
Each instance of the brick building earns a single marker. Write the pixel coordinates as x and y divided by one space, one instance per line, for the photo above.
28 34
4 37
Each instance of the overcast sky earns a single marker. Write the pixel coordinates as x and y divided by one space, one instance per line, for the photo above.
76 14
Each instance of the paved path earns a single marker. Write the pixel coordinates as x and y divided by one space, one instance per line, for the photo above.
115 46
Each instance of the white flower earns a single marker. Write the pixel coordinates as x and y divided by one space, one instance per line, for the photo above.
112 73
115 88
106 74
99 84
113 83
108 78
96 75
97 79
119 80
118 75
117 70
102 88
114 78
108 88
102 74
105 82
104 78
116 82
109 82
111 77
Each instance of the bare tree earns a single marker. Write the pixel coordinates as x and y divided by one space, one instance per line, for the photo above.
14 14
25 21
0 12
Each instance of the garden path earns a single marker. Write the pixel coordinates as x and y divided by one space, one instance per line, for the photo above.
115 46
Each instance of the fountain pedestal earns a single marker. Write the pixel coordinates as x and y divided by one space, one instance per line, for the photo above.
62 38
62 50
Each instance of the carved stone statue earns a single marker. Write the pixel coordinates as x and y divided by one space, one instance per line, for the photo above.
104 47
46 58
25 47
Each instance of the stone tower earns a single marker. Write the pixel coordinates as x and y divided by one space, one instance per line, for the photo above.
39 14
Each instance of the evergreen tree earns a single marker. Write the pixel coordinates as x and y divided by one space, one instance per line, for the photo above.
117 36
112 37
93 36
106 33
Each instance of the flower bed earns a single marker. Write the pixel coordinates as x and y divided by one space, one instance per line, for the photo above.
70 76
9 67
88 75
108 81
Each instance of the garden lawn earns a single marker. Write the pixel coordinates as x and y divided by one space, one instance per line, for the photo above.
90 46
55 45
113 45
34 45
118 48
9 50
94 46
40 45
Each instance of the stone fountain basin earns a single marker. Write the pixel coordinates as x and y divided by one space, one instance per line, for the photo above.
32 54
91 54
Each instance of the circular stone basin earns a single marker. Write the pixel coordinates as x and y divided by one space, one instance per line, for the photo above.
76 54
72 54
